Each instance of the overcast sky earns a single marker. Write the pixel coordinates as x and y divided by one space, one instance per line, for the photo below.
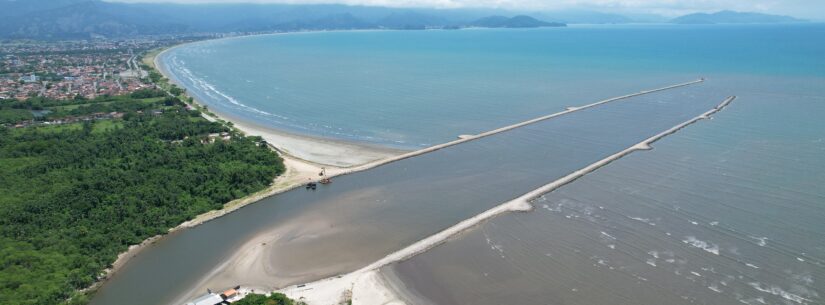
812 9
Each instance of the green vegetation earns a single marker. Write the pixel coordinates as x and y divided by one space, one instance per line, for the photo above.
273 299
75 195
9 115
163 83
147 93
13 111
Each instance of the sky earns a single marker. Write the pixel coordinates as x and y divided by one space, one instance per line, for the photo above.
811 9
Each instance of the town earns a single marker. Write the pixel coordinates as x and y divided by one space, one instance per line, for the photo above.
65 70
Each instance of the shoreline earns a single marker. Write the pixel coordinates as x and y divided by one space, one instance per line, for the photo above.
237 264
314 150
381 291
303 169
298 170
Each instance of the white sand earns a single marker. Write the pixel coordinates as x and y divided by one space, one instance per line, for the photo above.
304 158
319 151
249 266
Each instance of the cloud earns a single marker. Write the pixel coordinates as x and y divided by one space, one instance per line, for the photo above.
802 8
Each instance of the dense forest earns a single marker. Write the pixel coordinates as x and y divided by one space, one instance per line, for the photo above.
76 195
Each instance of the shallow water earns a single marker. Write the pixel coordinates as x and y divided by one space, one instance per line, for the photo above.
747 178
364 216
727 211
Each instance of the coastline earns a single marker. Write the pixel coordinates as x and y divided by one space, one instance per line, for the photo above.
238 267
299 170
319 151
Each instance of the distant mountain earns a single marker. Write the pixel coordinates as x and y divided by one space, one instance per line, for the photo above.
584 16
733 17
338 21
22 7
82 19
520 21
412 20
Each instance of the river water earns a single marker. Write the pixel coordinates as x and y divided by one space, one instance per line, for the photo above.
364 216
727 211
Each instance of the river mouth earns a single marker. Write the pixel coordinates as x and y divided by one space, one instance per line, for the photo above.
364 216
301 236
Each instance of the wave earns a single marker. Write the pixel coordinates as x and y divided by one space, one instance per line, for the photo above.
778 291
707 246
200 86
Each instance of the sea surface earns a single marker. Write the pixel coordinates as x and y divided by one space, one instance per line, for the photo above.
726 211
410 89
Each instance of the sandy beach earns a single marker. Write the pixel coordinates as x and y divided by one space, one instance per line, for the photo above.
312 150
304 158
251 265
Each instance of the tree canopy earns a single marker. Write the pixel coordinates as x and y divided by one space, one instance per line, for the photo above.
73 198
272 299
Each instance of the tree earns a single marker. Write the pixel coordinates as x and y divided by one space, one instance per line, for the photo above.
73 198
272 299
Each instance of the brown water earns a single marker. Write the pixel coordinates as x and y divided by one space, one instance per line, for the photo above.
364 216
727 211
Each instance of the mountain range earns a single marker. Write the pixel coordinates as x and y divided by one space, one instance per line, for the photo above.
733 17
76 19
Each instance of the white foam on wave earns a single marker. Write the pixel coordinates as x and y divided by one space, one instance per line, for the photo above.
752 301
607 236
761 241
778 291
707 246
644 220
208 89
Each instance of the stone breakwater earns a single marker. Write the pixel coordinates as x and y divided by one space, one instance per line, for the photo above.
324 291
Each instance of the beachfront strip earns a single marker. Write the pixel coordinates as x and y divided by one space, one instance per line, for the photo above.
65 70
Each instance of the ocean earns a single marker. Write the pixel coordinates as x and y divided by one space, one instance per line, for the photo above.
411 89
726 211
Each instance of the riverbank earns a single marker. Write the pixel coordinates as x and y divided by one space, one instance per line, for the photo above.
252 263
249 262
333 157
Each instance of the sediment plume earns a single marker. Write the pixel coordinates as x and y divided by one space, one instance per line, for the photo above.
326 290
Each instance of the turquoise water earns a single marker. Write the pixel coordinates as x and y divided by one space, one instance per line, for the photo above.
409 89
727 211
362 217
